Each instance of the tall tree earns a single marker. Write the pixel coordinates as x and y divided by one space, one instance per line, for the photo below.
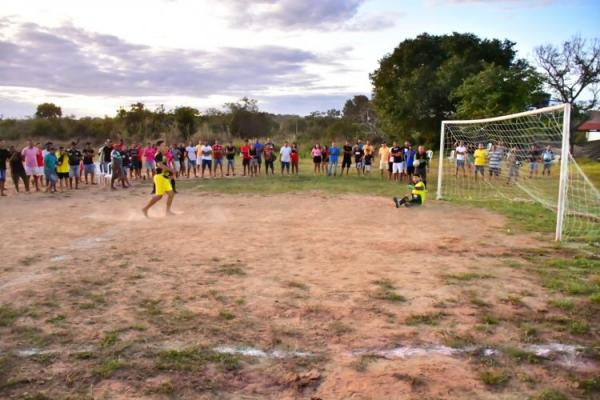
571 70
186 118
48 111
413 85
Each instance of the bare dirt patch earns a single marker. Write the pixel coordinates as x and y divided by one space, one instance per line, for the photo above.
287 296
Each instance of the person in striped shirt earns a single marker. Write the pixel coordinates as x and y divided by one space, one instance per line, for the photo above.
495 156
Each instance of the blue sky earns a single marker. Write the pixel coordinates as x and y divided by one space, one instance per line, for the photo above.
293 56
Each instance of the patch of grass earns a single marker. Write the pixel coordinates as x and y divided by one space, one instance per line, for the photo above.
384 284
185 315
464 277
152 307
109 367
530 334
44 359
521 355
476 301
415 382
589 386
32 336
226 315
494 378
550 394
297 285
109 340
229 270
563 304
362 364
84 355
8 315
457 341
513 300
57 319
37 396
387 291
425 319
489 319
339 328
195 359
595 298
29 260
579 327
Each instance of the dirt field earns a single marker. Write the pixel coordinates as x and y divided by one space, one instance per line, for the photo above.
280 297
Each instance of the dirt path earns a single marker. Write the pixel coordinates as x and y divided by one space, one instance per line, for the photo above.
332 278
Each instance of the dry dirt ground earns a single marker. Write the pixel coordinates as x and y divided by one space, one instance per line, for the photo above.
294 296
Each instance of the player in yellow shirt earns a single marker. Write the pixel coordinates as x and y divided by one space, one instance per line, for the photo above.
480 157
62 167
418 194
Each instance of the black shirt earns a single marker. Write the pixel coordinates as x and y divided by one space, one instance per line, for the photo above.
4 156
126 158
88 156
16 163
106 150
347 151
134 154
397 154
182 152
74 156
358 153
533 155
230 152
423 160
253 153
159 158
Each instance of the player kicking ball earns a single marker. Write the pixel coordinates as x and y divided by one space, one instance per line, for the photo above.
417 194
162 180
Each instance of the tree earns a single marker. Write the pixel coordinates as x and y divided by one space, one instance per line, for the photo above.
247 121
48 111
572 69
185 118
357 109
413 85
497 91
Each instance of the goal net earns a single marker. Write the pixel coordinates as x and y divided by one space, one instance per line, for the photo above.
521 158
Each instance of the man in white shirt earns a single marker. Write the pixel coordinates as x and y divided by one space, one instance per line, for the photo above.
460 153
191 159
286 157
206 154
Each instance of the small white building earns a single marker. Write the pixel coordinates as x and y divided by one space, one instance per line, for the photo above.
591 127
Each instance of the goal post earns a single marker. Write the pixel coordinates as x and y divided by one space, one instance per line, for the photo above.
522 157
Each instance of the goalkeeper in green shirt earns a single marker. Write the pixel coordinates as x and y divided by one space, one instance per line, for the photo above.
417 196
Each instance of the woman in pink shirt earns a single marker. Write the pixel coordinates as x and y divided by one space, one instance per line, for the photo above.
317 155
30 155
149 153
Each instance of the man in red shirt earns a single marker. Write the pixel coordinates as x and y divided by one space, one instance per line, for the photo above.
245 150
217 153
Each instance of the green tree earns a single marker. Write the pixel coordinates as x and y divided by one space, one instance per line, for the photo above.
358 109
48 111
186 119
497 91
413 85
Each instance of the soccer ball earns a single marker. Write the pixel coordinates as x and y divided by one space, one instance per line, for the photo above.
416 163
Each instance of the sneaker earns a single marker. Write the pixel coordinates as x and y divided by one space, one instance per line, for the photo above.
396 202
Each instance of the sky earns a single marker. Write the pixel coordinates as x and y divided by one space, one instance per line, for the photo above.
293 56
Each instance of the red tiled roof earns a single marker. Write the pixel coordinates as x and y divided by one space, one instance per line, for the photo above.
589 126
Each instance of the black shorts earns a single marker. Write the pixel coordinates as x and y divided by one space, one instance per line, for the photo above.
346 162
63 175
390 166
245 162
410 170
317 160
136 165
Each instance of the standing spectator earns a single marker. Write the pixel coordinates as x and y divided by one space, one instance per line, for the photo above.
50 168
421 163
245 151
62 167
217 154
513 166
409 161
368 151
17 170
367 163
269 155
294 158
30 154
384 158
4 156
104 154
191 159
286 158
347 159
398 158
324 158
258 149
206 155
470 156
89 168
149 153
534 156
182 153
40 164
117 168
254 160
317 156
74 164
460 153
136 161
480 156
358 157
126 162
334 153
495 156
176 153
230 155
547 158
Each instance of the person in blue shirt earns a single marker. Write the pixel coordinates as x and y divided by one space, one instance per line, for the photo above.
334 153
410 158
258 147
50 174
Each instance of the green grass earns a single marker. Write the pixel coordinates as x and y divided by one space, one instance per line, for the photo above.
494 378
362 364
7 315
464 277
297 285
229 270
549 394
226 315
195 359
109 367
425 319
109 339
521 355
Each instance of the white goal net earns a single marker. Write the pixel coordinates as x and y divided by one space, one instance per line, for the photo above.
521 158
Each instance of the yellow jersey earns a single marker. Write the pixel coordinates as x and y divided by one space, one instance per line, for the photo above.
384 154
64 166
480 157
420 190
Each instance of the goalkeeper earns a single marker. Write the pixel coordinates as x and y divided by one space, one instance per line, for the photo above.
417 196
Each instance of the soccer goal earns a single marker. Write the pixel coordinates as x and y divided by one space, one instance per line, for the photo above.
520 158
